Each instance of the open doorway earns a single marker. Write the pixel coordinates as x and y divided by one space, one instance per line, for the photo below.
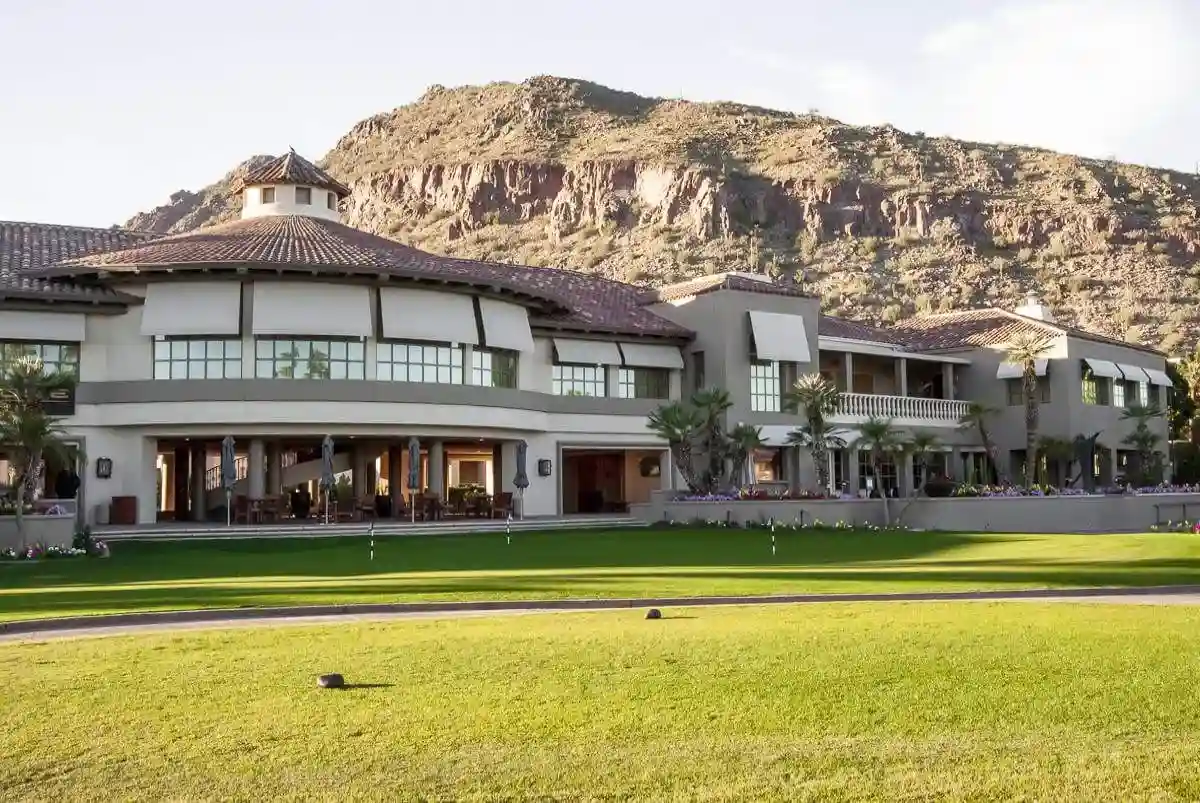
609 480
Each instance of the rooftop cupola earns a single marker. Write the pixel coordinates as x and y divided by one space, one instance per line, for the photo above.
1034 308
291 185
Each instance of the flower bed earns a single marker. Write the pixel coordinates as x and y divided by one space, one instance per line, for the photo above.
796 525
83 546
963 490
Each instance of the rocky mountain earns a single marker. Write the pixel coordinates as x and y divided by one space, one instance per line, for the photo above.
883 224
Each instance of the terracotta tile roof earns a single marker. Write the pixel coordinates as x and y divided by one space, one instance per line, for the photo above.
27 248
315 245
291 168
743 282
829 326
975 328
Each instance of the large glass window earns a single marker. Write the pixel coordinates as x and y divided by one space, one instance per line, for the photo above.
307 358
764 387
1143 393
889 477
643 383
197 358
579 380
438 363
494 368
55 357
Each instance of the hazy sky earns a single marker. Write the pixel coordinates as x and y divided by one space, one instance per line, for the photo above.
108 107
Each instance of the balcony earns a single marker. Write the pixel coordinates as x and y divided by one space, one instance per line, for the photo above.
914 410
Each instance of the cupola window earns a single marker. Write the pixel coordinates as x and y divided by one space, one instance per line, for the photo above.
331 200
303 195
268 195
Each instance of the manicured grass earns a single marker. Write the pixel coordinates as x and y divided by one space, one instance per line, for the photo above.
917 701
205 574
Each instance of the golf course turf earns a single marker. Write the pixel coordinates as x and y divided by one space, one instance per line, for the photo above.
902 701
678 562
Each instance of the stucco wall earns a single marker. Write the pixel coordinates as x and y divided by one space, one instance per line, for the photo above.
285 203
1066 514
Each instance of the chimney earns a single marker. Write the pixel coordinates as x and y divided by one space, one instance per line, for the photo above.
1034 308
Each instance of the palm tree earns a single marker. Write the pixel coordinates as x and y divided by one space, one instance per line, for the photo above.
711 405
881 439
26 430
816 398
819 437
1189 370
976 419
1024 351
921 446
743 439
677 424
1148 468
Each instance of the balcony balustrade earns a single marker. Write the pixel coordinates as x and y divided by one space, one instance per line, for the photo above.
861 406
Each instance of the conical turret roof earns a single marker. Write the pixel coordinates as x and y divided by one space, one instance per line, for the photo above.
292 168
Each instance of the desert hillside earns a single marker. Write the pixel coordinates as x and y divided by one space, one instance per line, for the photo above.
882 223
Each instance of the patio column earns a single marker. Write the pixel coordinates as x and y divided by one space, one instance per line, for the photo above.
956 465
849 372
852 479
179 482
905 469
199 481
498 468
255 465
274 468
902 376
437 469
948 390
358 470
395 456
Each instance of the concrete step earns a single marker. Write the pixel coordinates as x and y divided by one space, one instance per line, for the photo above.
201 531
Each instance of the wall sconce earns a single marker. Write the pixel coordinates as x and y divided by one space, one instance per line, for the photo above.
104 468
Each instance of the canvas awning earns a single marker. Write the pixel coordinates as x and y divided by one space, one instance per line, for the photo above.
1133 373
428 315
43 327
505 326
312 308
1104 368
643 355
586 352
779 337
1012 370
192 309
1159 377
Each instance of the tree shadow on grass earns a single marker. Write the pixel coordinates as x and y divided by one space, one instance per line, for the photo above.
641 582
349 557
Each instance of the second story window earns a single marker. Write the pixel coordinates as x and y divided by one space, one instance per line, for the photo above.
303 196
698 379
308 358
1015 391
437 363
494 368
764 387
268 195
55 357
579 380
1095 388
1118 395
197 358
1143 394
331 200
643 383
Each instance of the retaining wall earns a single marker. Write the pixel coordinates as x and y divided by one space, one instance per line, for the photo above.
57 530
1032 514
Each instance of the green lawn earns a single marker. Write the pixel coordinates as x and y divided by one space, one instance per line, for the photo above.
165 575
911 701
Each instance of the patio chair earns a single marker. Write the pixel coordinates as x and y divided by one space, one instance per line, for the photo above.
502 505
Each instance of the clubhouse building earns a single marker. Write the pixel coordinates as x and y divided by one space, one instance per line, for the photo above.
287 326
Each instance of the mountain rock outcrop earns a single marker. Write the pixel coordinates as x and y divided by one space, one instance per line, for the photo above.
883 224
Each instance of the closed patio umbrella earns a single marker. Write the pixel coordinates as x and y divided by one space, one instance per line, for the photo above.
228 474
414 473
521 478
327 481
